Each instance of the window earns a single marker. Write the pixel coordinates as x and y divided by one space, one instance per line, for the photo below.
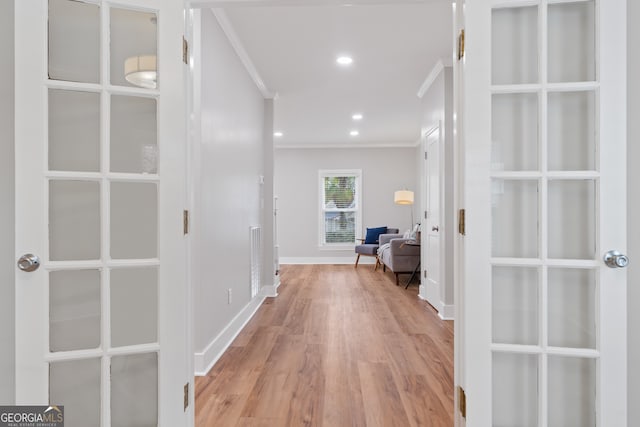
340 207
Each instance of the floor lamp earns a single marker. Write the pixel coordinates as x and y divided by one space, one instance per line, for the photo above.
405 197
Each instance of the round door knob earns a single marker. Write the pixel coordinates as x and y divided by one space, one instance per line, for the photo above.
615 259
29 263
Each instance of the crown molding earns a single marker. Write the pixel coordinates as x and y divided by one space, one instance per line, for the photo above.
234 40
344 146
433 75
267 3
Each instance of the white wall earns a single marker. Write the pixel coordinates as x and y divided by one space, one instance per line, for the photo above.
384 170
227 164
269 279
7 222
633 211
437 104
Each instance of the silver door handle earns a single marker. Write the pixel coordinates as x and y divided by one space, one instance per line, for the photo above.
435 228
615 259
29 263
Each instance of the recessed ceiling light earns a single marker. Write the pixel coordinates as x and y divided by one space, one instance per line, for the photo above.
278 134
344 60
357 116
354 133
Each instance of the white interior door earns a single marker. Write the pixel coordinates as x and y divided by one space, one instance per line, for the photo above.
99 197
545 138
431 233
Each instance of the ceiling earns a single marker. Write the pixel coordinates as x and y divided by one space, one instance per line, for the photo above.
394 48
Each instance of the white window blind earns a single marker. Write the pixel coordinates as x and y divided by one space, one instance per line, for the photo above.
340 208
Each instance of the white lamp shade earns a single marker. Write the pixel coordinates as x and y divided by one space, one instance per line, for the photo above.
403 197
141 71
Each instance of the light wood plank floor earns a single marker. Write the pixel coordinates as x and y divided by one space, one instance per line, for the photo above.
339 347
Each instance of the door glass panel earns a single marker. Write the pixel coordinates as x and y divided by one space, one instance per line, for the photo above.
74 220
133 48
134 390
76 385
572 42
514 45
572 219
74 41
572 308
134 220
514 132
515 218
572 392
515 305
572 131
74 131
134 135
74 310
515 390
134 306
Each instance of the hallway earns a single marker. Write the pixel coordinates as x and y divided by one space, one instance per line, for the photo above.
338 347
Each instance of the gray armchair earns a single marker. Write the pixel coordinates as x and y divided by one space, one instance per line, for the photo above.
370 249
399 257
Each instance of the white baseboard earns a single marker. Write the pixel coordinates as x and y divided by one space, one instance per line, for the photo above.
271 291
422 292
445 312
205 360
327 260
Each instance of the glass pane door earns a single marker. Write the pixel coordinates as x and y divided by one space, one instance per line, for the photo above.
545 182
103 184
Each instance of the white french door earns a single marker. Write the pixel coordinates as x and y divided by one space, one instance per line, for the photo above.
100 190
544 114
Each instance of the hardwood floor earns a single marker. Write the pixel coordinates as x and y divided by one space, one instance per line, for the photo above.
338 347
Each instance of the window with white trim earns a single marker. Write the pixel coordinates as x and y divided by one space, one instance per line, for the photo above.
340 207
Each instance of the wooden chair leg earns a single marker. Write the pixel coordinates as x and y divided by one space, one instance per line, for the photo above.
357 259
384 267
377 263
397 279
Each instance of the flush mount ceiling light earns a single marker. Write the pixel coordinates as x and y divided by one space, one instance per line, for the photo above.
354 133
344 60
141 71
278 134
357 116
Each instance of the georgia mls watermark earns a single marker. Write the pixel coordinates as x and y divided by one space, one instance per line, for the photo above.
31 416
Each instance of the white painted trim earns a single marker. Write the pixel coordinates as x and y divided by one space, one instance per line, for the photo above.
204 361
433 75
445 312
271 291
422 292
428 81
256 3
193 26
336 146
326 260
238 47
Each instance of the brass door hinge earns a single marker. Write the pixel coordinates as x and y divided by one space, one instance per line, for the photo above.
462 402
185 221
461 222
185 50
461 45
186 396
